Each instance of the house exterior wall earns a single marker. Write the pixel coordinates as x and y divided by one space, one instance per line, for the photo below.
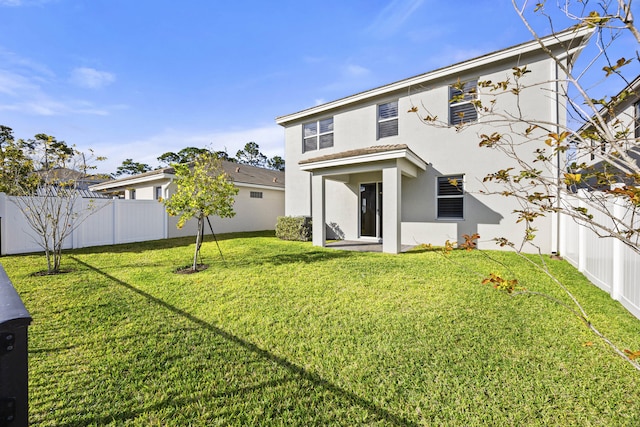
447 151
145 190
144 193
252 214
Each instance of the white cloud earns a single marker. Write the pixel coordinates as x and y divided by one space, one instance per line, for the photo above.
24 94
12 84
91 78
356 71
393 16
351 78
15 3
26 87
452 55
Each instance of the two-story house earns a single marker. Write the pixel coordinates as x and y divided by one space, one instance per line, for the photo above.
365 168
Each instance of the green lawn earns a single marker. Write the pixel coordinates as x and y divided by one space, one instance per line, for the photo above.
289 334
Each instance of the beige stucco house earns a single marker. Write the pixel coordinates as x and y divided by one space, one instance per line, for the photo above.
365 168
260 199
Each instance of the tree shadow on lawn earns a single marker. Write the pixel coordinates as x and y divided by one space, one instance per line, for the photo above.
174 242
307 257
293 372
122 416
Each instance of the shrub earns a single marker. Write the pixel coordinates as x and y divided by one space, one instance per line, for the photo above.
294 228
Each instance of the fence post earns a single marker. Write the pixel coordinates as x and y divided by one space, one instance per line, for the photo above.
582 242
3 216
617 264
114 218
14 391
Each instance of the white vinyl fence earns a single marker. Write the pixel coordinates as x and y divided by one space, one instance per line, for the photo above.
112 221
606 262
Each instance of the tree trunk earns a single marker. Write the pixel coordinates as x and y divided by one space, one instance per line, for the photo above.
198 242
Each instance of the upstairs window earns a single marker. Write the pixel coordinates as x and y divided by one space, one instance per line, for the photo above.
255 194
461 108
451 197
157 191
132 194
317 135
388 119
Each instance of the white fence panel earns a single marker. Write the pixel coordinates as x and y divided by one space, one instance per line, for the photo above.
606 262
98 228
630 287
599 256
570 240
18 236
112 221
139 220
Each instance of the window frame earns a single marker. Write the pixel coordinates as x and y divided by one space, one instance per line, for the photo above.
461 180
318 134
383 120
469 93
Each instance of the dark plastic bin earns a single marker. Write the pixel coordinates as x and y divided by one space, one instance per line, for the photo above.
14 377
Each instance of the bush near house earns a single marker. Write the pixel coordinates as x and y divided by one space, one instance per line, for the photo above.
294 228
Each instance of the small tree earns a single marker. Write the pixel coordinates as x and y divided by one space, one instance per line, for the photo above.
46 175
129 167
203 189
251 155
597 149
186 155
580 168
276 163
223 155
16 168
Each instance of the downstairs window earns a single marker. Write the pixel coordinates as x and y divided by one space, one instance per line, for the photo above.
450 195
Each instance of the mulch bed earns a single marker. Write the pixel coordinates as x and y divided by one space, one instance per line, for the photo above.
188 269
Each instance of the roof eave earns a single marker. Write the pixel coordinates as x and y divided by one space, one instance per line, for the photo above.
279 187
400 153
126 182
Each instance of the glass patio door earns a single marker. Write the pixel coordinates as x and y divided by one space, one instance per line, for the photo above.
371 210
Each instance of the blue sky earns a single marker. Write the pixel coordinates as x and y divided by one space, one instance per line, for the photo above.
137 78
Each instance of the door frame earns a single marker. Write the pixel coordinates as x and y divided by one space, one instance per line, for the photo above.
379 211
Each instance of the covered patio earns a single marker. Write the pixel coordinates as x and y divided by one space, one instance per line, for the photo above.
391 161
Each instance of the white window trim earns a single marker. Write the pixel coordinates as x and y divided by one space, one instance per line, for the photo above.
317 135
461 196
388 119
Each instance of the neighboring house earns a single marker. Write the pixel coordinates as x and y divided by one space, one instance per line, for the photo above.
624 121
260 199
81 182
365 169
